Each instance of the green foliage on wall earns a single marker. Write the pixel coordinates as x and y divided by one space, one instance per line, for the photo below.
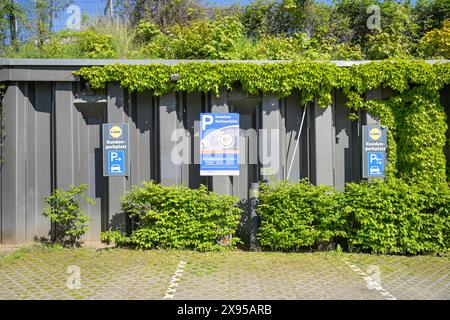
416 120
280 78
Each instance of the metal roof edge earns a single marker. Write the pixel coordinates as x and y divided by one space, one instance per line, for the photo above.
100 62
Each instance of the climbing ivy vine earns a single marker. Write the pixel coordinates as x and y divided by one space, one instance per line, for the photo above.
416 119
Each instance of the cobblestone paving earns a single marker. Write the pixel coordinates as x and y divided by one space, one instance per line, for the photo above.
248 275
105 274
42 273
421 277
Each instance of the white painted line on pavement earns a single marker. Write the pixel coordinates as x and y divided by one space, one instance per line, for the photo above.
371 282
175 279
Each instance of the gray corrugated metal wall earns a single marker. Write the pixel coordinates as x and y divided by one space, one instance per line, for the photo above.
26 170
53 140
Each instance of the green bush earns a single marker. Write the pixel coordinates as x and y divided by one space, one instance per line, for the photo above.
178 217
114 236
96 45
392 216
63 208
298 215
435 42
201 40
87 44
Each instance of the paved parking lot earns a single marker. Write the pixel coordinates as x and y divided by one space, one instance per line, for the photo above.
47 273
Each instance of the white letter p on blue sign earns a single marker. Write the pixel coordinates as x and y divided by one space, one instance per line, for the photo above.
114 155
207 120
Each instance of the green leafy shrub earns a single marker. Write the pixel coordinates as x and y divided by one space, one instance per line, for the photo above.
146 31
96 45
286 48
393 216
64 44
63 208
435 42
390 216
393 40
213 31
203 39
114 236
298 215
88 44
346 51
178 217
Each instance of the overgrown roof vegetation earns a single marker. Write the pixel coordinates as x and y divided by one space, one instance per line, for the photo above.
263 29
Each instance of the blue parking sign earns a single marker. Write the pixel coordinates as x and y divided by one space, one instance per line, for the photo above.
375 164
374 151
116 162
219 144
115 150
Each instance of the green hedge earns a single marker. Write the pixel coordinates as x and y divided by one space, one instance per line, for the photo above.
388 216
395 217
297 215
178 217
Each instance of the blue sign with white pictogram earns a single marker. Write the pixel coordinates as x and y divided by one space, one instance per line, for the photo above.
375 163
115 150
374 149
116 163
219 144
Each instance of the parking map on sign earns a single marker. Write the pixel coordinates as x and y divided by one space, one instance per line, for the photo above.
219 144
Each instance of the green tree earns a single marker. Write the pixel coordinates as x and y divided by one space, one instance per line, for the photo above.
430 14
44 11
12 16
164 13
356 12
395 39
436 43
266 18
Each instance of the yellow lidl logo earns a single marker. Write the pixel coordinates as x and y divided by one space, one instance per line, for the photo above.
375 134
115 132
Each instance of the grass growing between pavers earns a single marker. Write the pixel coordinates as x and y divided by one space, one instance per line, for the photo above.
269 275
43 273
408 277
40 272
